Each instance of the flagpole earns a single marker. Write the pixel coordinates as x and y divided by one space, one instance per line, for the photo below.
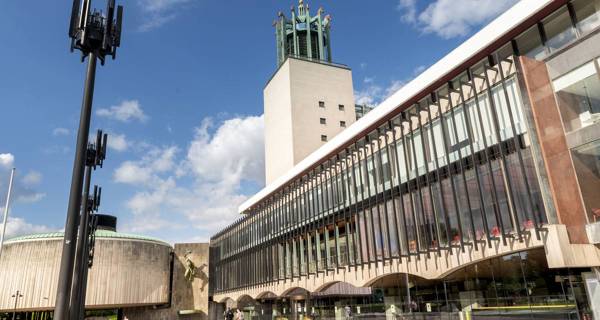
10 185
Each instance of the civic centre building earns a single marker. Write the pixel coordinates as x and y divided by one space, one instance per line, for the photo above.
471 192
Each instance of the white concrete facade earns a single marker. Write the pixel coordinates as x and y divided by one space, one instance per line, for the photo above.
296 100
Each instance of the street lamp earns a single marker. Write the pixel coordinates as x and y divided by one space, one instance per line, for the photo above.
17 295
96 35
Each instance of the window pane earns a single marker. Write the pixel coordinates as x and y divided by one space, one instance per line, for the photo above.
578 94
530 44
559 30
587 13
587 165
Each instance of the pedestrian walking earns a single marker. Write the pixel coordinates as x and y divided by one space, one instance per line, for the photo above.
347 312
239 315
228 314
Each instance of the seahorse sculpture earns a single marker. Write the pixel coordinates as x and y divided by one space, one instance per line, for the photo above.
190 268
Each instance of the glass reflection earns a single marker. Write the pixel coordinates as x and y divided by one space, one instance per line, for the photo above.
586 159
578 94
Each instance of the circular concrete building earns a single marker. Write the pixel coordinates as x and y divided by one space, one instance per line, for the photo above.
129 271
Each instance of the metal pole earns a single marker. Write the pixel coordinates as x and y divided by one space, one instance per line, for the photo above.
83 287
68 251
17 294
408 300
10 185
82 244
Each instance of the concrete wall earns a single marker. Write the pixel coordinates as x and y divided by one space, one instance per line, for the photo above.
576 55
189 299
279 146
125 272
292 113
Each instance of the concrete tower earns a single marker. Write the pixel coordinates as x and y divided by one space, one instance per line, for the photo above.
308 100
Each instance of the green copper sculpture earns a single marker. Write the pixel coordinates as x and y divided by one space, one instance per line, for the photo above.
302 35
190 267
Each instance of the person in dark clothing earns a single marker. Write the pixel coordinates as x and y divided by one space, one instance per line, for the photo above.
228 314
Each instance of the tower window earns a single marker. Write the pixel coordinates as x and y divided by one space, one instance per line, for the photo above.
343 124
323 121
341 107
321 104
323 137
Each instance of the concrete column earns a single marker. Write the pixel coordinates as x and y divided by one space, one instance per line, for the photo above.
555 151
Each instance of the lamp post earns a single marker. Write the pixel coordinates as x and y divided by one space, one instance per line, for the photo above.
17 295
96 35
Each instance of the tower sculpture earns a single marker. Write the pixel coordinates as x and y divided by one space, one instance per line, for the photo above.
303 36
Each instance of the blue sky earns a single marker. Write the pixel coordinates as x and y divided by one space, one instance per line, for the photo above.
183 100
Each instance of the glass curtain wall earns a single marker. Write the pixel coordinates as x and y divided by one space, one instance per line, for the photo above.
514 286
452 169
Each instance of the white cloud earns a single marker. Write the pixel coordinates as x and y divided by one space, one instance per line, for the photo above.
234 151
409 10
159 12
203 187
372 94
130 172
418 70
117 142
155 21
32 178
23 188
18 226
60 132
30 197
146 170
452 18
7 160
125 112
159 5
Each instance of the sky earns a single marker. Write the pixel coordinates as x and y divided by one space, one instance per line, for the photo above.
182 102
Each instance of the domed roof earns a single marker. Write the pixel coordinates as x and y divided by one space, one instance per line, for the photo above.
100 234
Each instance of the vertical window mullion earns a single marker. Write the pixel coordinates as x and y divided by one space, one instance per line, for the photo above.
445 140
345 207
403 212
460 165
358 245
413 211
517 143
478 176
365 201
427 180
372 197
418 190
392 198
331 166
381 181
323 216
486 158
438 177
509 183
